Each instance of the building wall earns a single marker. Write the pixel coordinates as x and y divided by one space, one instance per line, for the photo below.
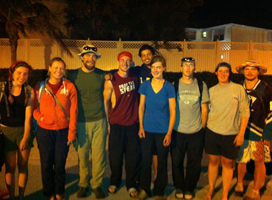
243 34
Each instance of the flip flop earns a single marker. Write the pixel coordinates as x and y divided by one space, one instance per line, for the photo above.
133 192
112 189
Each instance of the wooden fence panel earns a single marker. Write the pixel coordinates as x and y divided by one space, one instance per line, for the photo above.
39 52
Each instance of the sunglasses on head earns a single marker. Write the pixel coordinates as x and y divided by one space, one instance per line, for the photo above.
187 59
87 48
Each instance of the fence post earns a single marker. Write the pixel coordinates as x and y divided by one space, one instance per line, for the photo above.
119 45
27 49
217 52
184 48
89 42
250 53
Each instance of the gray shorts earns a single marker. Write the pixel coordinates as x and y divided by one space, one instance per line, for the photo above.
13 137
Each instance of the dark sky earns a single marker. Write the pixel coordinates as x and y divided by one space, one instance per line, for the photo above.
256 13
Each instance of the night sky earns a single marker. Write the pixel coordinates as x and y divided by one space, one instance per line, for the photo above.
256 13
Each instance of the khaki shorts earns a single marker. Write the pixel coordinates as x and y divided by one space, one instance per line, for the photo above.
254 150
13 137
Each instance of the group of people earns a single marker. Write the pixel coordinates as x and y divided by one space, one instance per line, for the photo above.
145 117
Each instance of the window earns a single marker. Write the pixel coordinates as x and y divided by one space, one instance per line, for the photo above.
191 35
218 34
204 34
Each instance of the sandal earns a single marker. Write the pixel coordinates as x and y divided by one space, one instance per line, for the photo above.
239 190
133 192
112 189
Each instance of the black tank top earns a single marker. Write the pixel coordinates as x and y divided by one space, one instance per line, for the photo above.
17 110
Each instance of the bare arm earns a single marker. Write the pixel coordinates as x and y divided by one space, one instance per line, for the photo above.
239 139
172 108
204 114
108 88
28 118
141 116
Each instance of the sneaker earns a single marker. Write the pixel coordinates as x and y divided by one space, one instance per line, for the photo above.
142 196
179 194
99 194
82 192
188 195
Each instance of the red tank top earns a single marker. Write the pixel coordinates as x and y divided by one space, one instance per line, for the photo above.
125 111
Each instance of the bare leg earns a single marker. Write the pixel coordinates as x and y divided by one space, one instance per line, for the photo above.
10 163
239 188
259 175
23 157
226 176
155 165
241 172
214 162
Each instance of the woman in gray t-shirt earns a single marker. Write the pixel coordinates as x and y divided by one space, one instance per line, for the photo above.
227 121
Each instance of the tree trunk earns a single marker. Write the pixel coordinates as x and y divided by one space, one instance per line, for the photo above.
13 40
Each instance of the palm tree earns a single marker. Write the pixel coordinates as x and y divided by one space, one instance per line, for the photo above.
26 16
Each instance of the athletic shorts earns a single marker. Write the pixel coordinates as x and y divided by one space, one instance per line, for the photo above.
220 145
254 150
13 137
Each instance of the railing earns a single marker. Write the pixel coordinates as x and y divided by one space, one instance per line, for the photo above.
38 53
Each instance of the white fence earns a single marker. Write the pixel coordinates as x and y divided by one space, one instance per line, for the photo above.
38 53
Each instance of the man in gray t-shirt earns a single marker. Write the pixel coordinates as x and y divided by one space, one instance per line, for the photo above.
188 133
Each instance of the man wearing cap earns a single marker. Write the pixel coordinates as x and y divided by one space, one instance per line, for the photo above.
188 133
92 123
259 128
121 106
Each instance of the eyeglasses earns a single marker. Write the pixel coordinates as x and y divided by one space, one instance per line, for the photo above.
187 59
87 48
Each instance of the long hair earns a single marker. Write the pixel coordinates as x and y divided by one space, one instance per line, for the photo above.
12 69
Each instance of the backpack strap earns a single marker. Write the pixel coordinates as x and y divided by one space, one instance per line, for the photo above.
200 87
176 82
2 93
41 89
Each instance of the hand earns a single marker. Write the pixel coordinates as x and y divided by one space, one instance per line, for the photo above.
70 142
239 140
141 133
167 140
41 119
23 144
108 77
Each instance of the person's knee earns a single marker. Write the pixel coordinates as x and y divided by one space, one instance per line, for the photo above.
214 161
228 163
259 165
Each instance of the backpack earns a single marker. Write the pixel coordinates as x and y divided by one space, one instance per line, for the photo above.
34 122
2 145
